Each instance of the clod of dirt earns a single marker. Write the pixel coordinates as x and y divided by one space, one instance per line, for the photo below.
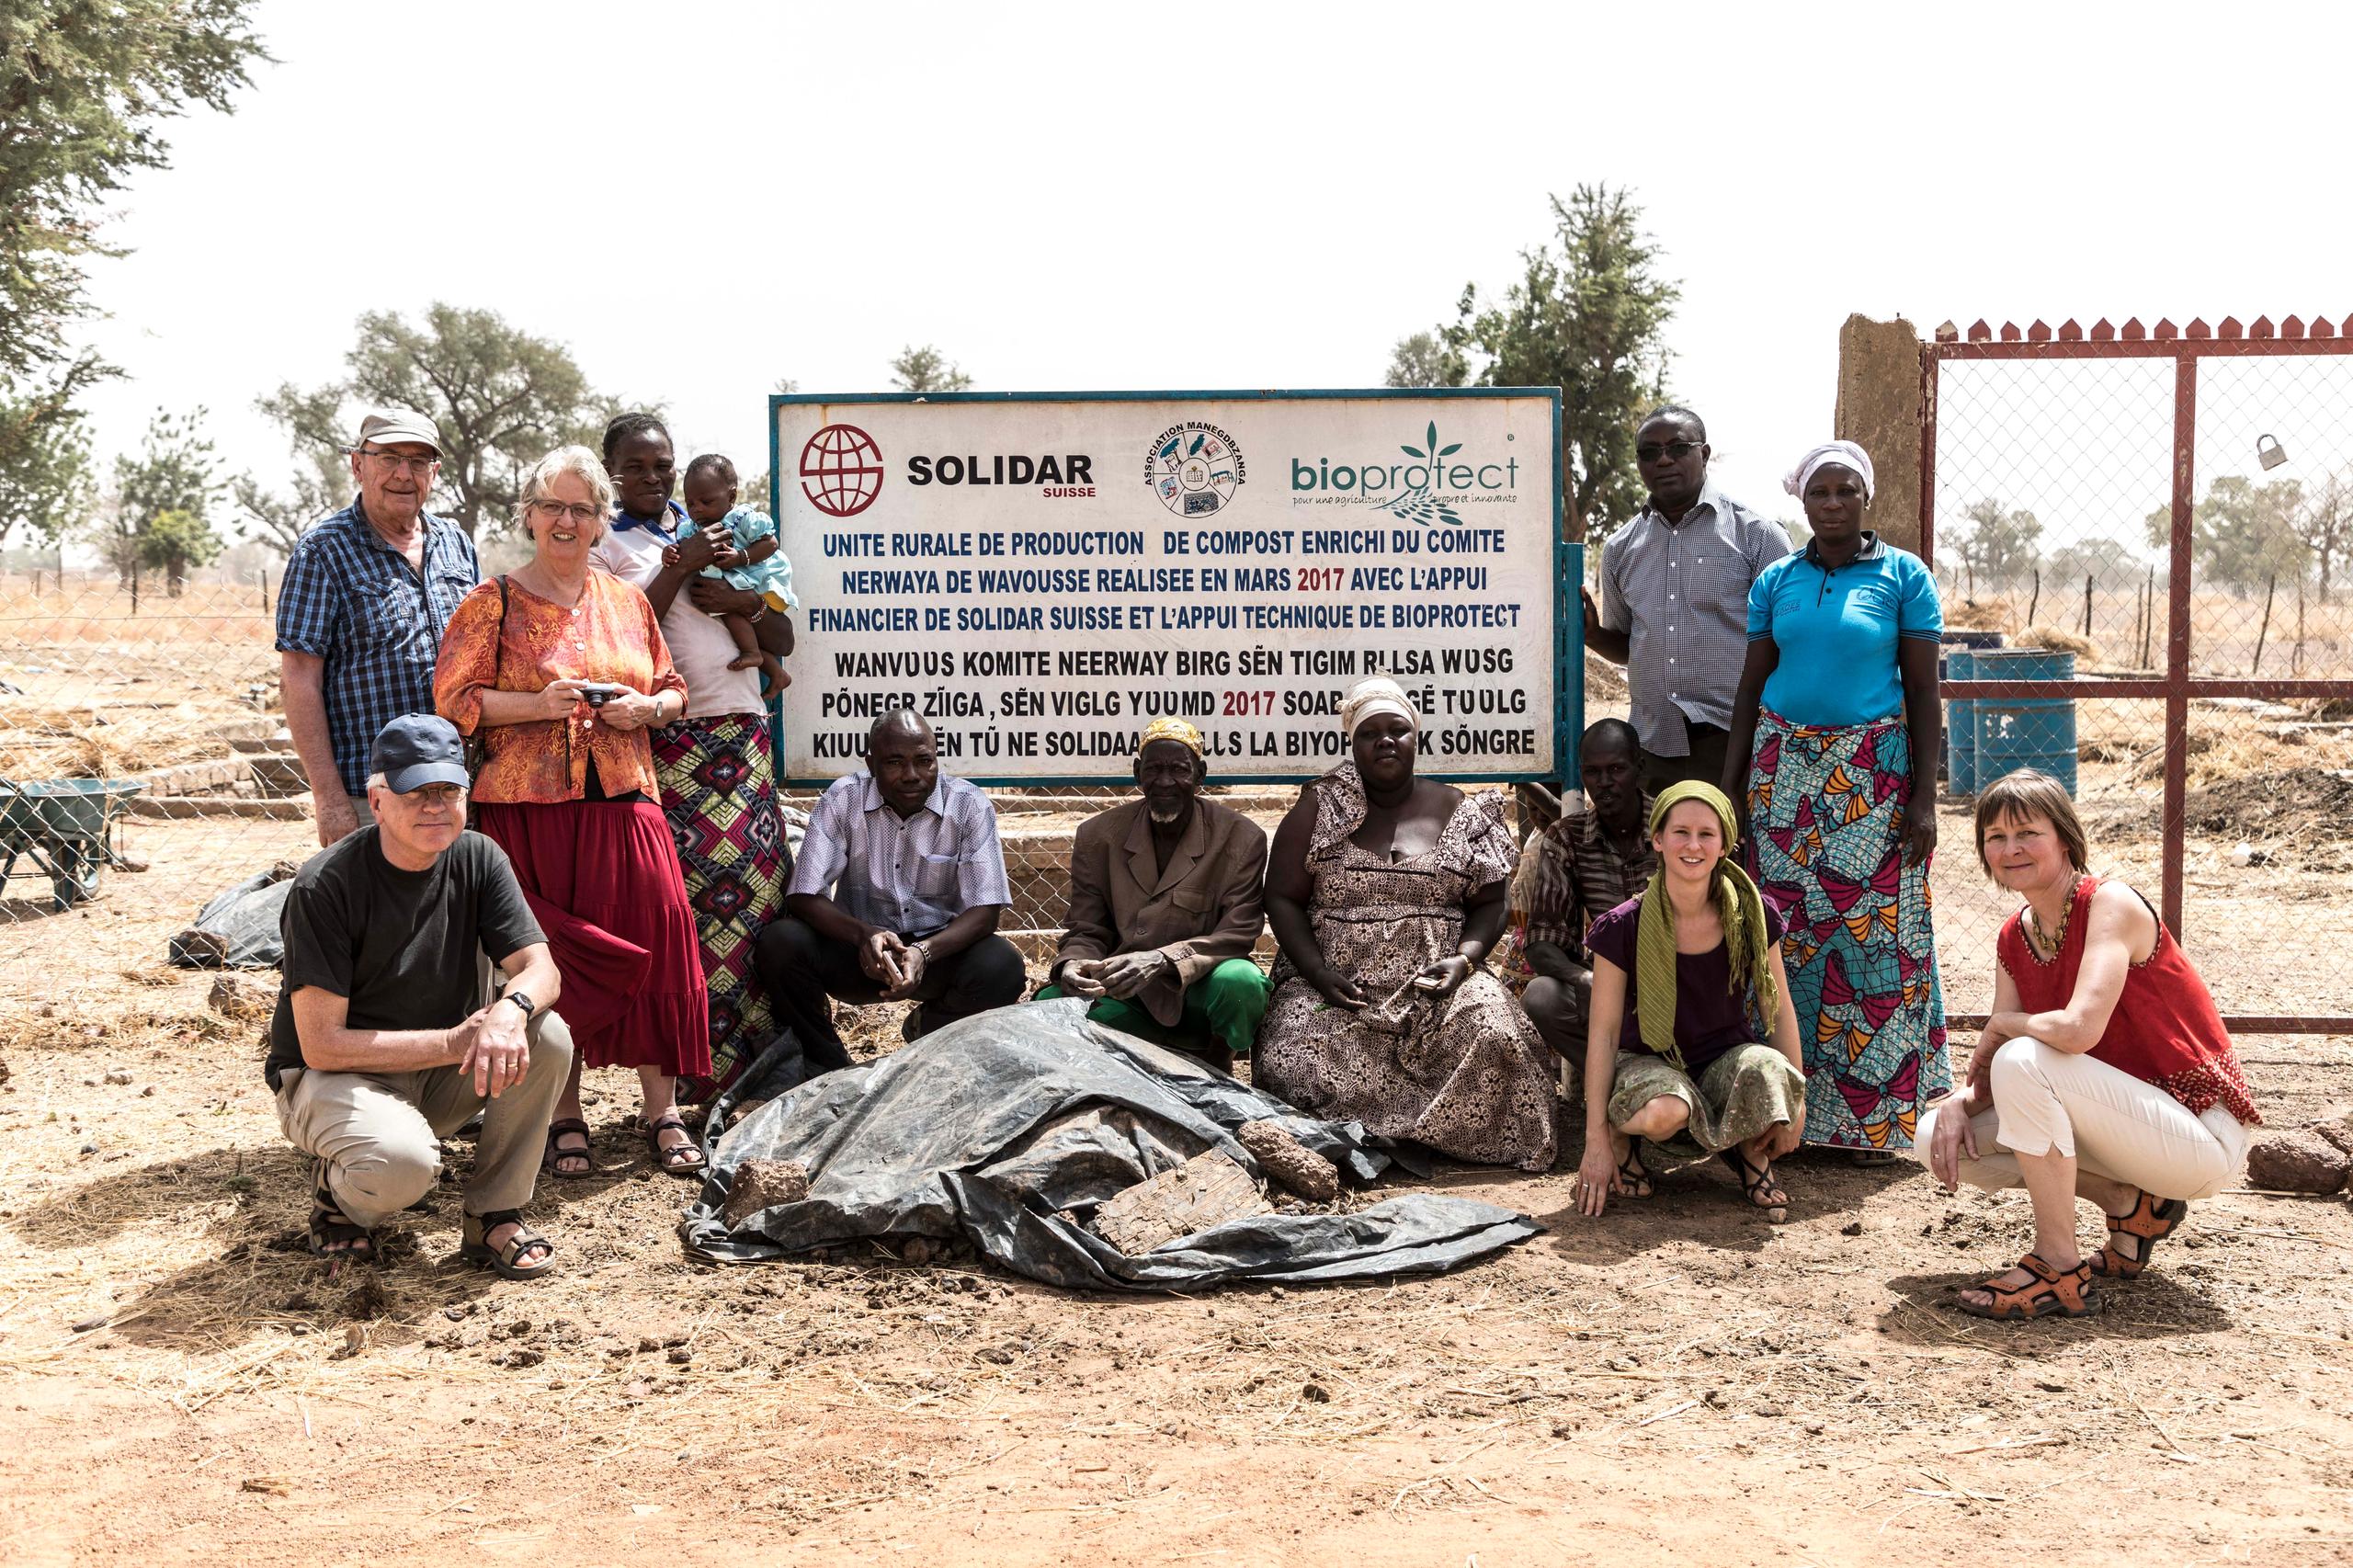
648 1344
84 1326
681 1356
267 1485
515 1361
118 1075
2296 1162
368 1302
242 997
1851 1228
916 1250
763 1183
2338 1130
1290 1162
1317 1393
355 1340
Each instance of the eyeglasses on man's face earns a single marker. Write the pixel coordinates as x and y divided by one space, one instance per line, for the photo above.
401 463
1651 451
579 511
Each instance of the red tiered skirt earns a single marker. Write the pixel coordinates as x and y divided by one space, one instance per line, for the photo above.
602 879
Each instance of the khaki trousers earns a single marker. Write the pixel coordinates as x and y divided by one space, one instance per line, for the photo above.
380 1134
2115 1125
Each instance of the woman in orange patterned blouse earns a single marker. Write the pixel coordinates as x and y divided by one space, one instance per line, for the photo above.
562 669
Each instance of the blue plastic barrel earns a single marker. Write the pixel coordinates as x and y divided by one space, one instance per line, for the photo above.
2012 733
1961 733
1961 726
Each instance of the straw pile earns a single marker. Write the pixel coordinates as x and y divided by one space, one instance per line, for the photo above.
48 740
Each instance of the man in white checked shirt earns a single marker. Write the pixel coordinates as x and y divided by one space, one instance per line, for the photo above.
895 896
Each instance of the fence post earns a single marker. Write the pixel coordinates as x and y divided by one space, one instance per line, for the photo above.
134 587
2177 786
2035 602
2296 660
2149 627
2088 604
2269 587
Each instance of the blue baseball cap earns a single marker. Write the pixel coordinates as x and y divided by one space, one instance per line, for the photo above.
417 749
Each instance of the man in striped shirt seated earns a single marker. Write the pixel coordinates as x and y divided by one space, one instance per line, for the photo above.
896 897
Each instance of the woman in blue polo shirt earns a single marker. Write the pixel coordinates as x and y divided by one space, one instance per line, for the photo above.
1836 700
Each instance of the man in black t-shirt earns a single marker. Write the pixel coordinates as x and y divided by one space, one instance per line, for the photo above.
380 1046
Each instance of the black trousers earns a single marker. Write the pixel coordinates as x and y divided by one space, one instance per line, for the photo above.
802 969
1706 762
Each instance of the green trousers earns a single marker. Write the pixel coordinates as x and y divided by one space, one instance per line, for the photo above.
1221 1018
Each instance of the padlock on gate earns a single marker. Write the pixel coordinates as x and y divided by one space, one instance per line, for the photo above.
2269 453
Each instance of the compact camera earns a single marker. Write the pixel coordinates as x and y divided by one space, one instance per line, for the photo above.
597 693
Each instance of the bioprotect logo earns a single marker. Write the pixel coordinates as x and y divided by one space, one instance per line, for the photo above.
1425 489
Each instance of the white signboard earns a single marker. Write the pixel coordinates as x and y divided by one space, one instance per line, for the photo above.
1041 576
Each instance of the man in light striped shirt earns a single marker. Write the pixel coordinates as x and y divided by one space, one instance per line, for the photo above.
895 896
1674 606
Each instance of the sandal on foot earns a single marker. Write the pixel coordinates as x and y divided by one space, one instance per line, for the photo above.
2049 1294
1633 1176
569 1127
1867 1158
333 1235
2151 1222
508 1260
677 1159
1757 1182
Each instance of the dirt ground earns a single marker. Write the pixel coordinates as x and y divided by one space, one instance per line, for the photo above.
1673 1378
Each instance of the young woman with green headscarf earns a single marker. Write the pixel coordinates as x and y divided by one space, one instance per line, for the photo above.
1688 979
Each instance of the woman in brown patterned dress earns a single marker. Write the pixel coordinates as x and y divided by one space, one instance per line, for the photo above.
1385 893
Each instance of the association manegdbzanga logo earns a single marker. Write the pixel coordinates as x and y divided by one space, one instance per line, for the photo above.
1194 467
841 470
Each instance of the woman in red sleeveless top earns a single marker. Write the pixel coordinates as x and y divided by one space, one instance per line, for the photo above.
2103 1074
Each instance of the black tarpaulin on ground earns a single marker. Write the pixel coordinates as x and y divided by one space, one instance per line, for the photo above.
237 927
989 1127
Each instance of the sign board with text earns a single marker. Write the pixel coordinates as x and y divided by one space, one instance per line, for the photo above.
1041 576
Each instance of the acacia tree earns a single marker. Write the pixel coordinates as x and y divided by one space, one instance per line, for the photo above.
502 397
926 369
2325 522
1999 542
166 493
1423 360
322 474
2241 533
84 84
1588 315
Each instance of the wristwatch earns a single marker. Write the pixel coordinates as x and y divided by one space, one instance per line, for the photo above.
522 999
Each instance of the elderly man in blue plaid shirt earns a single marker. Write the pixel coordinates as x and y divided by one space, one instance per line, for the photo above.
366 594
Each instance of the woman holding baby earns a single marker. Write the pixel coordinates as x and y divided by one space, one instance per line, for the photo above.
718 781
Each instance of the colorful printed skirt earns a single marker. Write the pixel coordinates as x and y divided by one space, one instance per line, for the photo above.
719 792
1826 811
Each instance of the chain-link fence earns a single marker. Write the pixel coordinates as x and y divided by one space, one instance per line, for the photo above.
2140 541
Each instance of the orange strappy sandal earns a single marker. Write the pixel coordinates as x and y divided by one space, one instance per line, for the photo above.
2151 1222
2049 1294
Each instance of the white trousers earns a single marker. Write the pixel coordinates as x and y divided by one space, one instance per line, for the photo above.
2114 1124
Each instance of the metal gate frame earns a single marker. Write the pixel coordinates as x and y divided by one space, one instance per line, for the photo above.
2185 347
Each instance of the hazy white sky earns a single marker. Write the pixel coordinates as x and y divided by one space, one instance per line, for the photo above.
702 197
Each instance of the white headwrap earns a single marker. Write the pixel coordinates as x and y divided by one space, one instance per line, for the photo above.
1375 694
1846 454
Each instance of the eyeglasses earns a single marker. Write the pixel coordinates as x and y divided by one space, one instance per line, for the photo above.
396 462
579 511
438 794
1652 451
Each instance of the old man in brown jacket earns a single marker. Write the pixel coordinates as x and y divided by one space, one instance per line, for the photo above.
1165 903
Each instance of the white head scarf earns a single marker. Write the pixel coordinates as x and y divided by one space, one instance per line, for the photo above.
1375 694
1846 454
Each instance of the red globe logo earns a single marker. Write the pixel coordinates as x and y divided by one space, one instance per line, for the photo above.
841 470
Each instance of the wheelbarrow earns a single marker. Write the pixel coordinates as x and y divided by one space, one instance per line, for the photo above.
67 825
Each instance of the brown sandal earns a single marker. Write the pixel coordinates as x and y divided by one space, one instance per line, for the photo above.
2151 1222
570 1126
677 1159
2049 1294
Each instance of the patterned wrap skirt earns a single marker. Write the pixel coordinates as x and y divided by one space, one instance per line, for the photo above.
602 881
1826 808
719 793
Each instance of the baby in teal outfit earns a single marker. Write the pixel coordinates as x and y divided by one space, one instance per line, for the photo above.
751 559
